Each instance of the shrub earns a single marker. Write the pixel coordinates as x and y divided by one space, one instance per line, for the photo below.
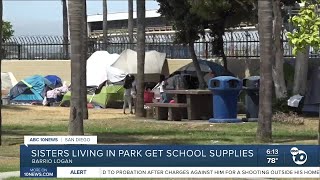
280 105
288 118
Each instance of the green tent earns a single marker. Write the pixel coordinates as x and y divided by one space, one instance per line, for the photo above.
107 96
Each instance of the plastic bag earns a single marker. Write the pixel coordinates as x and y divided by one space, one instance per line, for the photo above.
44 102
294 101
133 93
156 91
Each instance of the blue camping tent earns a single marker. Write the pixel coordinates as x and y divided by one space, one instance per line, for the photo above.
31 89
55 80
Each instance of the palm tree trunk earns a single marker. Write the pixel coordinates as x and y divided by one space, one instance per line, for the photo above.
1 55
84 63
65 30
141 14
105 23
277 69
202 83
264 131
75 12
130 23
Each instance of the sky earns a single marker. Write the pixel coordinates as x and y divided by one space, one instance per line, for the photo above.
41 17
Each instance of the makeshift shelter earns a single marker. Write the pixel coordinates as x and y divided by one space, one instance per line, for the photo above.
104 97
99 69
7 82
155 64
312 98
206 67
189 72
55 80
31 89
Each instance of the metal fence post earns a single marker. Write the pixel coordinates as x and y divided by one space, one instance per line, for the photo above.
247 44
207 50
19 51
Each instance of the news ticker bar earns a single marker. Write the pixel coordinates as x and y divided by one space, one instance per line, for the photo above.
176 172
169 156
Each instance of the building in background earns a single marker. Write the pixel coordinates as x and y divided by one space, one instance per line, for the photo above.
118 22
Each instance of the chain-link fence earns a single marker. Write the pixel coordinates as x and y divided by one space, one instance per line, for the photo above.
237 43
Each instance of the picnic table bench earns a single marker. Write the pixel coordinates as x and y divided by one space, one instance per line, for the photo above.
165 111
199 103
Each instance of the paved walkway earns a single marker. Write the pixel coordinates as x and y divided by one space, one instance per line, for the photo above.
5 175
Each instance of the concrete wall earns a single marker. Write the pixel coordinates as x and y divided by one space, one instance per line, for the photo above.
24 68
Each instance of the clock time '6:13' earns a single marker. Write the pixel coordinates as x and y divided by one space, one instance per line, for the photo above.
272 151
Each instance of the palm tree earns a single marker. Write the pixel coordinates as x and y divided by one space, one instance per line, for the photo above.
264 131
75 13
141 13
105 23
84 63
130 23
1 12
65 29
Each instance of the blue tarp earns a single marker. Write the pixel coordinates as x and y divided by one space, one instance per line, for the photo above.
55 80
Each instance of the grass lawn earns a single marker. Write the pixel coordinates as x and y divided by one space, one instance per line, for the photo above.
112 127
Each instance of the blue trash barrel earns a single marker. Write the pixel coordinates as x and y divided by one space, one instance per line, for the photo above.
225 90
251 87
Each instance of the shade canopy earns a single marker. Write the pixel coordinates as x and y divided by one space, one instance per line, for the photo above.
127 62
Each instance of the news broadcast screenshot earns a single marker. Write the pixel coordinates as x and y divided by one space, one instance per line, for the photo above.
160 89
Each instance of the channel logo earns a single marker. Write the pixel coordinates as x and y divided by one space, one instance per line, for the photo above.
298 156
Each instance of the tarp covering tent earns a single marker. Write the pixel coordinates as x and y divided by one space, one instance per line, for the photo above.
189 72
127 62
312 98
7 82
31 89
99 69
205 66
107 96
55 80
155 64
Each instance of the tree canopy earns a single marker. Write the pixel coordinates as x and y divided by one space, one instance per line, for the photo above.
229 12
307 26
189 27
191 17
7 31
188 24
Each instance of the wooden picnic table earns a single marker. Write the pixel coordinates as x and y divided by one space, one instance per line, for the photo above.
199 102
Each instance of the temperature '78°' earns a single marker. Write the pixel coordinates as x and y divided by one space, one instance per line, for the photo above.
272 160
